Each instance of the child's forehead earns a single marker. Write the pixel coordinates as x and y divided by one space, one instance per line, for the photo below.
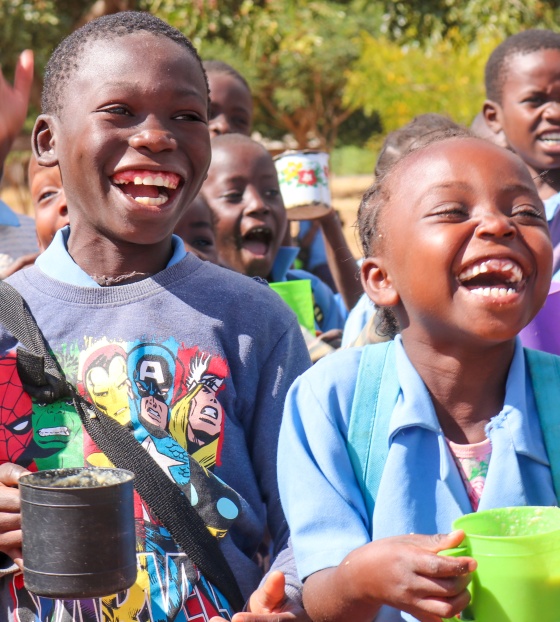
455 160
240 155
526 65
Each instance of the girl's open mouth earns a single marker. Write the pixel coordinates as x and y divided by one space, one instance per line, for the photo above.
493 278
149 188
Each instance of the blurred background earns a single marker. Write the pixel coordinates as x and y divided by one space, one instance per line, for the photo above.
331 75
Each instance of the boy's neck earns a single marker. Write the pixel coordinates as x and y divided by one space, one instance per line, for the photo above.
467 385
111 263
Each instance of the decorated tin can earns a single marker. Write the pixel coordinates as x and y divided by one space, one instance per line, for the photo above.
304 183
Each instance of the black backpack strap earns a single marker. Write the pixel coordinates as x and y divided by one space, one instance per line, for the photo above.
43 379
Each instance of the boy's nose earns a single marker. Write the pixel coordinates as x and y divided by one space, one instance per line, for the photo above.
256 203
219 125
153 138
552 111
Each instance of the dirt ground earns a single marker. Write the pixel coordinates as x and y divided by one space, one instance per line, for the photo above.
346 194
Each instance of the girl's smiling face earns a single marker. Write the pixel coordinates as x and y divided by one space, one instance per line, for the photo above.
131 139
464 253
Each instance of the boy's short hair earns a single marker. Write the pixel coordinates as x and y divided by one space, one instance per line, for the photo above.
65 60
218 66
522 43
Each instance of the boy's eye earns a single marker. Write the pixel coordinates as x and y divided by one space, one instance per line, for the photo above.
535 100
272 192
116 109
189 116
46 195
202 243
233 197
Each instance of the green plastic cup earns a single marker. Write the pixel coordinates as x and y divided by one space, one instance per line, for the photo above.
518 555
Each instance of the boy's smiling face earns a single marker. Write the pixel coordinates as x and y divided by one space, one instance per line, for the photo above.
529 113
464 254
131 139
243 193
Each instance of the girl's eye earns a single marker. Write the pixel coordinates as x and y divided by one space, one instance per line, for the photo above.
528 211
272 192
453 211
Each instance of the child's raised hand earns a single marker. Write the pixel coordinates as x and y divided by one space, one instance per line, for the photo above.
269 603
10 518
14 101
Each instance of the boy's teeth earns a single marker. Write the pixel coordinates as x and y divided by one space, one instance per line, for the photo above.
166 180
154 201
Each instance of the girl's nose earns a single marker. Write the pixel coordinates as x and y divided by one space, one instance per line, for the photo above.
154 137
496 224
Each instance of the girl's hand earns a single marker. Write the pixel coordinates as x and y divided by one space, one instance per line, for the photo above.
405 572
270 604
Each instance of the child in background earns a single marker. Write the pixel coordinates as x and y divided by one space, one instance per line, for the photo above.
522 79
250 220
49 201
153 331
362 325
458 251
196 230
231 102
18 245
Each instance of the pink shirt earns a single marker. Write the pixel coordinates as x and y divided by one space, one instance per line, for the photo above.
472 462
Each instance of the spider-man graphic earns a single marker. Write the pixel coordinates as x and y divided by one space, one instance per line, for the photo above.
16 432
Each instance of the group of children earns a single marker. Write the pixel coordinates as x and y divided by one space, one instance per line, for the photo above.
367 457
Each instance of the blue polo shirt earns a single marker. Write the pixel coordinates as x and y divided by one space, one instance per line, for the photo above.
56 262
421 490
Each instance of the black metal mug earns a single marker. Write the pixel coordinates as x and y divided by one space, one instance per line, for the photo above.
78 531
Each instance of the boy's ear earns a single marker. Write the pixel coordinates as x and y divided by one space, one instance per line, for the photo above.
492 113
377 283
42 141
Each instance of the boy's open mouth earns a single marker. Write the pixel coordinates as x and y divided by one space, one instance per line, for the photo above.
257 240
493 278
550 138
152 188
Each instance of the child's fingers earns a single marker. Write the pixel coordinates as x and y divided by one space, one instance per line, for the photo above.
23 78
426 587
440 566
270 597
441 608
442 541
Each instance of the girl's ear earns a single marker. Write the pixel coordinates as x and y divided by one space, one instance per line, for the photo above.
43 142
492 113
377 283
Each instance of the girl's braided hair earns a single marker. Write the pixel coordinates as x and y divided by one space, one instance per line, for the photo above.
377 196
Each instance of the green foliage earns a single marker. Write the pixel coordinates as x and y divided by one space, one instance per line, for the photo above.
353 160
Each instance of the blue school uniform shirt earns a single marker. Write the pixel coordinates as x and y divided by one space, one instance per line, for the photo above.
57 263
331 312
421 490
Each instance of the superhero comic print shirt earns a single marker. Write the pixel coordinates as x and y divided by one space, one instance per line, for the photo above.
168 396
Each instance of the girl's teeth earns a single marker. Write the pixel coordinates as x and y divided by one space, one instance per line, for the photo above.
495 292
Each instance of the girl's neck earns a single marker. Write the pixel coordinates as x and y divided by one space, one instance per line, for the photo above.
466 384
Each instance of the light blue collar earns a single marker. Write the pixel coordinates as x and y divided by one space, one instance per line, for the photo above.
57 263
8 218
416 407
550 205
284 259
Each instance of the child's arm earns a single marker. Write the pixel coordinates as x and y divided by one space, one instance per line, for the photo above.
13 103
343 266
403 572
